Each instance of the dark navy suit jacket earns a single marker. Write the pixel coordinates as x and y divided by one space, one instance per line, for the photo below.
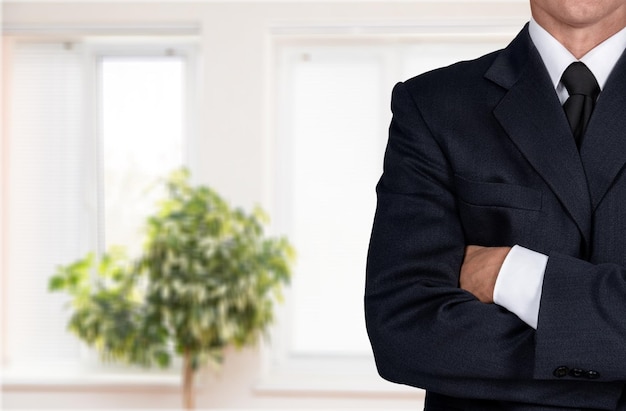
481 153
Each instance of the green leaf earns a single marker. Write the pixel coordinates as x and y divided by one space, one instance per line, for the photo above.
56 283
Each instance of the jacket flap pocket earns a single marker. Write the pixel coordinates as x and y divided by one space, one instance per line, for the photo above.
488 194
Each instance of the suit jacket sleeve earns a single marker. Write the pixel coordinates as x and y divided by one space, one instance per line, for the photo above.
582 313
427 332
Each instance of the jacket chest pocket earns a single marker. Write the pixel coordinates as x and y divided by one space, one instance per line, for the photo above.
497 214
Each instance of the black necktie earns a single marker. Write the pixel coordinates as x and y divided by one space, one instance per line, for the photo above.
583 91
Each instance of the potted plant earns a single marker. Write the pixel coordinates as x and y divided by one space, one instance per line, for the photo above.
207 279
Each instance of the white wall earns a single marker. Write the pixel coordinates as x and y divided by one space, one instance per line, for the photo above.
234 155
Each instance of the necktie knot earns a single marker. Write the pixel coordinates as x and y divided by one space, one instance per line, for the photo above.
583 91
578 79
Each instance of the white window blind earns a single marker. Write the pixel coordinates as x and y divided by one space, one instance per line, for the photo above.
334 115
46 204
336 147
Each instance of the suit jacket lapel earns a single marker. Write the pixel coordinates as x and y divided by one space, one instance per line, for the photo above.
533 118
603 151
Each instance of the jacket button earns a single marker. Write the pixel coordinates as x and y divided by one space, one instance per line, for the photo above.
561 371
592 375
576 372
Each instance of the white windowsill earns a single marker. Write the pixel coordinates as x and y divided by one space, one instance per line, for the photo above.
334 375
325 384
68 376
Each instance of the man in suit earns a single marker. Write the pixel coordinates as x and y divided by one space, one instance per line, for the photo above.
493 182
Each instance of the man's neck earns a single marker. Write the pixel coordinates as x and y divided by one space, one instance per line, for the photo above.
580 39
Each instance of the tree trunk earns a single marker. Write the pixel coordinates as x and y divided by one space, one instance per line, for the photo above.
188 391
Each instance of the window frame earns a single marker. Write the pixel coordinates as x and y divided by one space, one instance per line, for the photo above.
284 371
86 369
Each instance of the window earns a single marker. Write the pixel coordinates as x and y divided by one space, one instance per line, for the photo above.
141 102
333 115
94 124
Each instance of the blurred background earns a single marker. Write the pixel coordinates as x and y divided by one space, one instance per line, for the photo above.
284 104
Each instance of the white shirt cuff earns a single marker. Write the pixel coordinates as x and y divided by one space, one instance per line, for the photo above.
519 283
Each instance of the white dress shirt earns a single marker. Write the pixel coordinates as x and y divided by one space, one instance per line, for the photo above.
519 283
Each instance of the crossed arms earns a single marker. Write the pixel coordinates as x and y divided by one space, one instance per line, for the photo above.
428 331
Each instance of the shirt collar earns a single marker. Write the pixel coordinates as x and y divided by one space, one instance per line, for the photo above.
556 57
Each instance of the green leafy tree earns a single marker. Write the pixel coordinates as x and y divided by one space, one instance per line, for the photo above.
208 278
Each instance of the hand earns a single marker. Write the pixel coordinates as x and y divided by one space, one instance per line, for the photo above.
480 269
